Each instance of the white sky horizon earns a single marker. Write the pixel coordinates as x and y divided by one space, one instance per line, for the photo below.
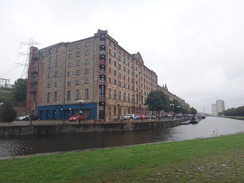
196 47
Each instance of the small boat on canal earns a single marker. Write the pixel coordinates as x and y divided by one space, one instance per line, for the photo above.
194 120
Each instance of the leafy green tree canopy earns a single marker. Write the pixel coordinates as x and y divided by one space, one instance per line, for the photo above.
158 101
7 112
20 91
193 110
239 111
177 106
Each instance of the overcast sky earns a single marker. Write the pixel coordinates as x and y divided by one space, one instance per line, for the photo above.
196 47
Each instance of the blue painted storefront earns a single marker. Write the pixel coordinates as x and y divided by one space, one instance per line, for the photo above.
58 112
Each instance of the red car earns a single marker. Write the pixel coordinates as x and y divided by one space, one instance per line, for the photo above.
142 116
77 117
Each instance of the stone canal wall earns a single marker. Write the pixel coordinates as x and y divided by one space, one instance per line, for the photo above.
47 129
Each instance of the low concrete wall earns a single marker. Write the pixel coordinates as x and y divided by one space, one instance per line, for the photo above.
75 128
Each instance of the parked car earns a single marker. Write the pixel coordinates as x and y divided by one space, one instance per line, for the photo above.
179 116
77 117
129 116
142 116
34 117
23 117
138 116
199 117
151 116
168 115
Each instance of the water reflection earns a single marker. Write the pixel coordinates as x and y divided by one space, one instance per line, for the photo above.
67 142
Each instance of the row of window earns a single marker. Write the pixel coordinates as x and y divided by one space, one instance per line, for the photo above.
78 54
50 51
124 69
147 72
70 48
77 72
57 63
115 63
78 63
126 110
78 46
69 74
56 74
128 86
119 76
125 98
77 82
119 111
119 50
68 95
86 81
119 83
132 73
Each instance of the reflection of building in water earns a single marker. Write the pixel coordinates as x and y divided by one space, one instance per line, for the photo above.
218 107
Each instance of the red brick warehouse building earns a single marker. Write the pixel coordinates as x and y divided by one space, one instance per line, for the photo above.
95 75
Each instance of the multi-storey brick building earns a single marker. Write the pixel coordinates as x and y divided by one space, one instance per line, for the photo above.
95 75
172 96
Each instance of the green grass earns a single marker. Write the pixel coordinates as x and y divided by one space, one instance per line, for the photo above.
219 159
235 117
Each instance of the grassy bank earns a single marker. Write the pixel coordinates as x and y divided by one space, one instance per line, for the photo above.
219 159
235 117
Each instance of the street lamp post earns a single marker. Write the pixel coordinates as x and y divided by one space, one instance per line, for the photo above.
172 105
178 107
80 101
62 112
118 111
80 111
70 112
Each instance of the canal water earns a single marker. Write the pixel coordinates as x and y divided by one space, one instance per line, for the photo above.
209 127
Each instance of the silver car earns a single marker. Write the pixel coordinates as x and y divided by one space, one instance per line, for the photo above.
23 117
129 116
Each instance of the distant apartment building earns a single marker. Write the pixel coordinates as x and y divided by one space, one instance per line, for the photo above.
218 107
214 110
94 75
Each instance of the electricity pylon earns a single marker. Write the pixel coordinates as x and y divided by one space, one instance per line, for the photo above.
27 53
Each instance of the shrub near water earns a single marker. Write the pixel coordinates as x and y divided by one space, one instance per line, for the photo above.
7 112
219 159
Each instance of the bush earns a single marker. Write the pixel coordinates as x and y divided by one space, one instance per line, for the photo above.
7 112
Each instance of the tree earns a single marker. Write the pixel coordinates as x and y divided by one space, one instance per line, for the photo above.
157 101
7 112
177 106
7 95
234 111
20 91
193 110
186 110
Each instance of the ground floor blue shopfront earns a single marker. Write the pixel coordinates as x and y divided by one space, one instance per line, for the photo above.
59 112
